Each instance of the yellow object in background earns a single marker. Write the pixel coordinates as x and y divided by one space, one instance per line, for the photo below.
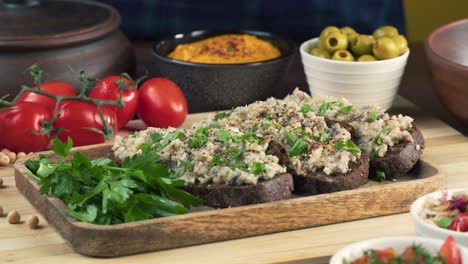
423 16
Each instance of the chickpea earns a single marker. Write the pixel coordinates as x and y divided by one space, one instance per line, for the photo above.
12 157
20 155
33 222
13 217
5 151
4 159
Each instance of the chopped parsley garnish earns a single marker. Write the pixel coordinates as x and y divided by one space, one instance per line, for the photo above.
380 175
372 117
186 164
223 136
324 137
265 126
269 116
156 141
240 165
217 161
305 109
326 106
221 115
289 138
346 109
299 147
347 146
375 152
236 153
102 192
257 168
200 138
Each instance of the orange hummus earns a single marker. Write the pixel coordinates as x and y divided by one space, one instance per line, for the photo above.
226 49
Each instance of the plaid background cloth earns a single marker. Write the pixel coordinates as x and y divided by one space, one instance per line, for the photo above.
296 19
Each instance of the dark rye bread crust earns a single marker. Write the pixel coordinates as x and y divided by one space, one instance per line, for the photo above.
223 195
317 183
400 158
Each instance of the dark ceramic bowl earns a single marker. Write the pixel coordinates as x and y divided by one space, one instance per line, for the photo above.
446 49
210 87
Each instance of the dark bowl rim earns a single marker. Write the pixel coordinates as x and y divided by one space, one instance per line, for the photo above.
430 40
283 56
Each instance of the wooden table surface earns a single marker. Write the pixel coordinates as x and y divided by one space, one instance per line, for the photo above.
446 147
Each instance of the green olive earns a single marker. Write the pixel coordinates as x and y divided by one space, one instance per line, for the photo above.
320 53
362 45
401 43
347 30
367 57
343 55
385 31
326 31
335 41
385 48
351 37
319 45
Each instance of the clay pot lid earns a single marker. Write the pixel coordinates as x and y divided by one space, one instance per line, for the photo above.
39 24
449 42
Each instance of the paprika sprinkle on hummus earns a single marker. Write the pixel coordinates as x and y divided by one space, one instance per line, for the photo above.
226 49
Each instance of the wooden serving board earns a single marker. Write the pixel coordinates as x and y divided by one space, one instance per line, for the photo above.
205 224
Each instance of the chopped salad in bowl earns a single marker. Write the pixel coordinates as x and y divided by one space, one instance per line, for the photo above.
442 213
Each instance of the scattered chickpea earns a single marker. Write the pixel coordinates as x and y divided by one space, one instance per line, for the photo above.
12 157
33 222
13 217
4 159
20 155
5 151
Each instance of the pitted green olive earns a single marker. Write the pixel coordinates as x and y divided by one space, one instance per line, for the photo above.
385 31
343 55
320 53
326 31
362 44
351 37
385 48
401 43
347 30
335 41
367 57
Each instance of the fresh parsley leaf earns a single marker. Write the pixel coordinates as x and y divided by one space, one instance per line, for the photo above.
444 222
378 140
326 106
305 109
324 137
380 175
236 153
347 146
269 116
265 125
60 148
299 147
346 109
172 136
217 161
186 164
289 138
372 117
239 164
221 116
223 136
375 152
85 216
257 168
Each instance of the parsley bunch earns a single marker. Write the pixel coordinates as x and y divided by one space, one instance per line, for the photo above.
102 192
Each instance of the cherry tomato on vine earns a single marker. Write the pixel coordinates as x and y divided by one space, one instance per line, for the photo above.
450 251
56 88
79 120
19 122
107 89
162 103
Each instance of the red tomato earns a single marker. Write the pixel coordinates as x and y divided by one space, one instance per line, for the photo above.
77 119
450 251
460 223
18 124
107 89
56 88
387 254
162 103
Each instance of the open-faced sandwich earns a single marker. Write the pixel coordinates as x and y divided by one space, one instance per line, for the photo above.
263 151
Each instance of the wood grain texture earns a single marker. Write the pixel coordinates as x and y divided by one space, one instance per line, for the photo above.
445 147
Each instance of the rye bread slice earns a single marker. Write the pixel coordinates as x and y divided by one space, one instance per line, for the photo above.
400 158
317 183
222 195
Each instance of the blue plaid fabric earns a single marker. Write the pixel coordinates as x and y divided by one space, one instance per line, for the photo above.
296 19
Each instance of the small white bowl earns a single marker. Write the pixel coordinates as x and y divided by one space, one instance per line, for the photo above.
357 249
362 83
427 229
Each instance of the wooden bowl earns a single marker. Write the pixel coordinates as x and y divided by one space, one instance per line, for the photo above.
63 37
446 49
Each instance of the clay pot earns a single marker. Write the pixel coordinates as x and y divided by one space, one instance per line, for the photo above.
63 37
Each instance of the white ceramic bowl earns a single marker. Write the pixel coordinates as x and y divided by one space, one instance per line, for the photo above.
427 229
362 83
357 249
